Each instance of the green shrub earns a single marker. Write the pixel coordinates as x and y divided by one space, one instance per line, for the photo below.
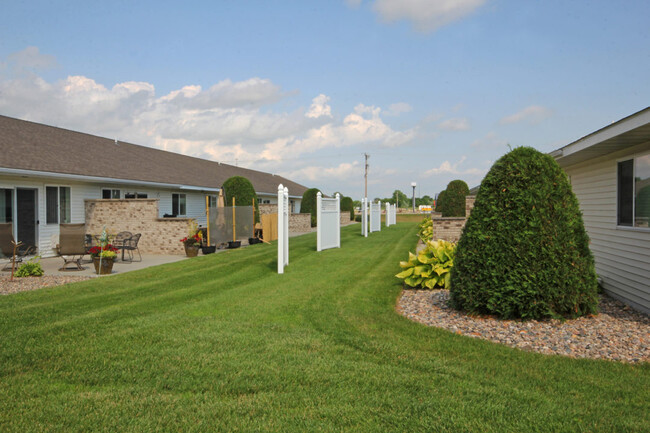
524 252
455 199
243 191
440 203
425 231
31 268
347 205
308 204
431 267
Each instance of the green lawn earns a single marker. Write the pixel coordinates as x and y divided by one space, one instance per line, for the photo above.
223 343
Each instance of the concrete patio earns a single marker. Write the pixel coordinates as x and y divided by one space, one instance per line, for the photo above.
52 265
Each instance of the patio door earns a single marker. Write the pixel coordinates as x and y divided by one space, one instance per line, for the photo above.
26 216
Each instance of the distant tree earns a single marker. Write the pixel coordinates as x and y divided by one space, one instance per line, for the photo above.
403 200
423 201
242 190
308 204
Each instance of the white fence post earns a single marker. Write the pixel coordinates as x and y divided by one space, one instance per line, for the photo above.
387 214
286 225
338 220
364 217
280 229
319 221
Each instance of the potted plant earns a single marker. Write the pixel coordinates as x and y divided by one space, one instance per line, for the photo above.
192 242
253 241
234 244
103 258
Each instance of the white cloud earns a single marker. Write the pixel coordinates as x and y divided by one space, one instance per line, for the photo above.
342 172
398 108
426 15
448 168
226 122
533 114
32 58
459 124
319 107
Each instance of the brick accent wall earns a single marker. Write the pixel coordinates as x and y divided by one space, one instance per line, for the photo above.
298 222
266 209
448 229
469 204
159 235
345 217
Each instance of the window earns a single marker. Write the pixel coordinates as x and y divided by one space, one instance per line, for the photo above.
633 207
6 205
179 204
110 193
57 204
213 201
132 195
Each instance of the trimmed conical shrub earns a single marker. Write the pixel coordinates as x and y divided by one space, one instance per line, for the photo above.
242 190
454 205
308 204
524 252
440 203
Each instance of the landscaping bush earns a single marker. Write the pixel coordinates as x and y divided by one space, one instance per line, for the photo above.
440 203
431 267
243 191
524 252
454 203
347 205
32 268
308 204
425 231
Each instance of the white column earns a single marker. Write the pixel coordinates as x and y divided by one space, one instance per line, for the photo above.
286 225
280 229
364 217
319 221
387 214
338 220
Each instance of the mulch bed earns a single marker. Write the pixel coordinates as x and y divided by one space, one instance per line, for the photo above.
617 333
33 283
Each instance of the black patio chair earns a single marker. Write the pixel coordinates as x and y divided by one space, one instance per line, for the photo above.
7 247
120 239
131 246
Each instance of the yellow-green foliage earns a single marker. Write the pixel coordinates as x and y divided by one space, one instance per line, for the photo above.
426 230
431 267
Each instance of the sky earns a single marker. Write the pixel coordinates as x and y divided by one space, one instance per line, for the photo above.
431 90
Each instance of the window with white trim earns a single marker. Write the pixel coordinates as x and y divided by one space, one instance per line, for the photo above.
179 204
633 207
213 201
6 205
57 204
110 193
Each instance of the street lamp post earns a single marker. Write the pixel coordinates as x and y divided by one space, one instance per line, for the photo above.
413 184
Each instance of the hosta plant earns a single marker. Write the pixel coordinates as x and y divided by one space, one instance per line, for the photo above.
426 230
431 267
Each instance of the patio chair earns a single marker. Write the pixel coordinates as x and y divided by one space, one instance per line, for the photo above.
72 245
120 239
131 246
7 247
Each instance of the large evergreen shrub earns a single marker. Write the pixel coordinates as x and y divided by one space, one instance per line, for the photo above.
243 191
308 204
455 199
347 205
524 251
440 203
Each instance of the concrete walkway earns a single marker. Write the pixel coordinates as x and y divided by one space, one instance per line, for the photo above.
51 265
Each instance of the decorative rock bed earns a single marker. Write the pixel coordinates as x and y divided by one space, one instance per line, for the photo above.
32 283
618 333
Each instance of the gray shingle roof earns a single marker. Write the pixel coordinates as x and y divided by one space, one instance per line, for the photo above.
33 146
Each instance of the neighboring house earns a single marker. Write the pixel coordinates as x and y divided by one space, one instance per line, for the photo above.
609 171
46 173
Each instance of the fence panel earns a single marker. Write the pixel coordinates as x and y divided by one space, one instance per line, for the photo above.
221 224
375 217
364 217
283 228
328 222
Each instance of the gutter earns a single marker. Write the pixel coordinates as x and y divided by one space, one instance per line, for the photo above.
97 179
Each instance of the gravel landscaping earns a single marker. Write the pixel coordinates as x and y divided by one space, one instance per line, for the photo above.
32 283
618 333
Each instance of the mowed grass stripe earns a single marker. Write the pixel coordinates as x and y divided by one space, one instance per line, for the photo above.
223 343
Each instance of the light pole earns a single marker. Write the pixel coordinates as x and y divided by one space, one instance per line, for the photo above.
413 184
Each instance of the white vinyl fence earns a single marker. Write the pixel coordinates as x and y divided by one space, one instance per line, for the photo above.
375 217
328 222
388 220
364 217
283 228
391 214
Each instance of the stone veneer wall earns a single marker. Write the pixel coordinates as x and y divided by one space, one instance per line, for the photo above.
451 228
159 235
298 222
345 217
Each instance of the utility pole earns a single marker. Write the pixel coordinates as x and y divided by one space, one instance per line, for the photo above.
365 191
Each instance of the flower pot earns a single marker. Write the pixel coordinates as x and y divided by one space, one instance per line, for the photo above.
208 250
191 250
234 244
253 241
106 266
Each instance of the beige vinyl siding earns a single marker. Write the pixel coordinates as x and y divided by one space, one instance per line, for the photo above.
622 255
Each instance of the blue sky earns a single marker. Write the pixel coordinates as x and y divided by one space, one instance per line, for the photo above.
432 90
